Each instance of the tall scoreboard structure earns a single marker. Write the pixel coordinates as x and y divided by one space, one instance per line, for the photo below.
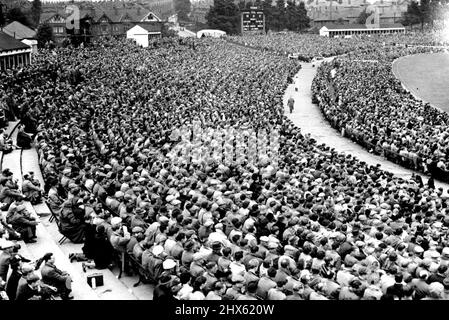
253 21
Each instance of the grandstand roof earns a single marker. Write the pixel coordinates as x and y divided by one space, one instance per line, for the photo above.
361 26
19 31
8 43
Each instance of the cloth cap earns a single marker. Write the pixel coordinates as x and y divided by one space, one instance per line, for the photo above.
168 264
119 194
272 245
445 253
115 221
163 219
157 250
170 198
137 229
208 223
418 249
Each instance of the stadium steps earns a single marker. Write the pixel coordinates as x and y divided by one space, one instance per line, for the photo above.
113 289
12 125
48 237
23 161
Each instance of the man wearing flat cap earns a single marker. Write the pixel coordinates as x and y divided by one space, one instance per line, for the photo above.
136 236
22 222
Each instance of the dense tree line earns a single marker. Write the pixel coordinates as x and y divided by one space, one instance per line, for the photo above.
182 8
425 12
225 15
28 15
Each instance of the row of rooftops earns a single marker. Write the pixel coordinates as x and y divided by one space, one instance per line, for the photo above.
112 11
8 43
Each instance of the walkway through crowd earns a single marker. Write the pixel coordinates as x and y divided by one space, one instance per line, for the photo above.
308 117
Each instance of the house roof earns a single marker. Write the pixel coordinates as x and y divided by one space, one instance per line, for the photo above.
360 26
19 31
8 43
149 27
137 30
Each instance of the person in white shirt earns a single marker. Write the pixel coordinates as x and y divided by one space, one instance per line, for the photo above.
186 289
237 268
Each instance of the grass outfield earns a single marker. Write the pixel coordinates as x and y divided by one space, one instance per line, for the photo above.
426 76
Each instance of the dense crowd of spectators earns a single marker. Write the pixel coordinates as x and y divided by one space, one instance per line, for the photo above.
305 46
313 225
308 46
360 95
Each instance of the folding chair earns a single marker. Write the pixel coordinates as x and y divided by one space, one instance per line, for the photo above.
54 217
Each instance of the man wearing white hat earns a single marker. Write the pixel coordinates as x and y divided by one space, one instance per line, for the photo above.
169 266
155 262
196 267
263 247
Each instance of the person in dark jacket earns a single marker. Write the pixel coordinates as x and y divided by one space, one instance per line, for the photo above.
22 222
33 290
31 189
98 248
9 193
162 292
71 220
23 139
13 280
55 277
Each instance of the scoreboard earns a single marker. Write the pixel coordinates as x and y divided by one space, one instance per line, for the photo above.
253 21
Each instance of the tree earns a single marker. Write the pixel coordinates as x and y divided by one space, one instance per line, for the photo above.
304 20
268 11
183 8
166 32
291 14
2 15
413 15
224 15
16 14
424 7
36 10
361 19
280 15
44 34
340 21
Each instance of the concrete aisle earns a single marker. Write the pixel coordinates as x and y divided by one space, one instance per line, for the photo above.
309 118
